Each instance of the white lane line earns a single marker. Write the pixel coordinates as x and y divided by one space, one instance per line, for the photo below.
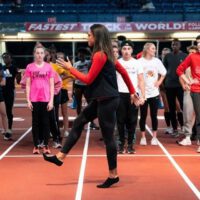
19 99
70 118
15 129
83 165
177 167
104 155
20 92
20 105
14 144
18 119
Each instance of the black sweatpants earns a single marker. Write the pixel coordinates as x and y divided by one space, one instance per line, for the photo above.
105 111
127 115
153 104
40 122
172 94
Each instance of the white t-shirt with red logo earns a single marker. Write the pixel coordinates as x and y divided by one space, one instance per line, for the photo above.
152 69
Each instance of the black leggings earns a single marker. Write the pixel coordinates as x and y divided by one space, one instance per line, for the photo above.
153 103
105 111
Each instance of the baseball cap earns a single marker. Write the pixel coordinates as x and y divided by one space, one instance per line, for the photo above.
127 43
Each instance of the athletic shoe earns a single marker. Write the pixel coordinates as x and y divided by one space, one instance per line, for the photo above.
41 145
143 141
9 131
168 130
198 149
7 136
36 150
175 133
56 145
154 141
50 135
193 137
130 149
121 149
46 150
94 126
185 142
66 134
198 142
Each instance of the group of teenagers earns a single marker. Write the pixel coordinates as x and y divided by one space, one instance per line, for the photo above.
163 80
115 89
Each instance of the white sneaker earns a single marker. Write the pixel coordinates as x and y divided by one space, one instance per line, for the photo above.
185 142
56 145
143 141
168 130
9 131
154 141
41 145
66 134
198 149
198 142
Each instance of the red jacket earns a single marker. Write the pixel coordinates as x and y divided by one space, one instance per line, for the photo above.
192 61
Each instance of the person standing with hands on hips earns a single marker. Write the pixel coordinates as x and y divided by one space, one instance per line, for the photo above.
103 92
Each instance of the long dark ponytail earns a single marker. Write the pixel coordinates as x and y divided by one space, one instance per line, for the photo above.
102 40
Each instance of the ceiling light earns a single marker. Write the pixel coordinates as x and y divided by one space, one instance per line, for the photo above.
185 35
74 35
24 35
132 35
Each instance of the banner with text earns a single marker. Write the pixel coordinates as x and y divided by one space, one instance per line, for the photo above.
115 27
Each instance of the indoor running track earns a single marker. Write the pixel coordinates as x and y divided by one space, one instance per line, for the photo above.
164 172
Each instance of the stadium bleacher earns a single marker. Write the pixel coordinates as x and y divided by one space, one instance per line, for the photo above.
68 10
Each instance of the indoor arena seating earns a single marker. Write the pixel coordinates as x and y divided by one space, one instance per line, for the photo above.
97 11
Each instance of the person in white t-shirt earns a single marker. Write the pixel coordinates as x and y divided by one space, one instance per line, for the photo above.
154 74
127 113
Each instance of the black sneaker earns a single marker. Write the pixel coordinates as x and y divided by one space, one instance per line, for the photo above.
175 133
121 149
7 136
130 149
193 137
94 126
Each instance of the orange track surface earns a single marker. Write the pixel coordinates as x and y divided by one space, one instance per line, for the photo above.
147 175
